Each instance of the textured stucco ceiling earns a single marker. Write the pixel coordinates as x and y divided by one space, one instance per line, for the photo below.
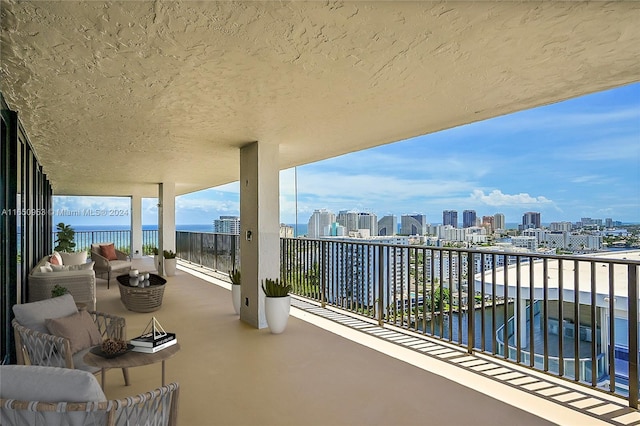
118 96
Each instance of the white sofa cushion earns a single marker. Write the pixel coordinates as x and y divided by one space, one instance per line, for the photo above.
83 267
76 258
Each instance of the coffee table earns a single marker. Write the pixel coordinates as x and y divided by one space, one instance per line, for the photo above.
142 299
130 359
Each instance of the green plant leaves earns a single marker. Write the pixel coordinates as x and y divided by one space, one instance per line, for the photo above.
273 288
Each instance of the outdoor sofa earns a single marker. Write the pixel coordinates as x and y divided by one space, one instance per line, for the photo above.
74 274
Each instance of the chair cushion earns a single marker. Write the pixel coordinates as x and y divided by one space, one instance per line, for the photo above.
108 251
77 258
115 265
48 384
33 315
79 328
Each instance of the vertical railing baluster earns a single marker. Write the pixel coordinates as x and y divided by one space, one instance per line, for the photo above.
593 325
441 307
505 329
560 319
471 312
323 273
632 274
450 282
518 310
483 324
381 286
433 290
576 322
394 308
612 332
494 301
545 318
457 269
424 290
532 312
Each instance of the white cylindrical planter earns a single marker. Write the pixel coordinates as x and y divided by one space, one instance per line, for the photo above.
235 297
170 267
276 310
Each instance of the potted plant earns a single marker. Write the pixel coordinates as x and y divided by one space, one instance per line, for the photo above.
65 235
156 257
277 304
169 263
58 290
234 276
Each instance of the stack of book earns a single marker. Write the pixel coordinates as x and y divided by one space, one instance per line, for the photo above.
153 338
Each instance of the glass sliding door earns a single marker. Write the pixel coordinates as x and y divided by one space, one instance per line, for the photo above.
25 220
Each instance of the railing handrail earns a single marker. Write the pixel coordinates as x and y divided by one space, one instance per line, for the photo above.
480 250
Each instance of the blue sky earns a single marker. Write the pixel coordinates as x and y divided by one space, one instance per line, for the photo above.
574 159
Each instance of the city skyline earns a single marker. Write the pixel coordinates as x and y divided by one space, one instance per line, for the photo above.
573 159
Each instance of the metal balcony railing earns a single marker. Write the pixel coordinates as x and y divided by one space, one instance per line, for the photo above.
120 238
216 251
583 326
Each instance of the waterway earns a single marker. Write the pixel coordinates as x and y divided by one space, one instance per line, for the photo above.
448 326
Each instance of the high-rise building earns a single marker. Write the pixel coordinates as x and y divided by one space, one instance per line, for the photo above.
468 218
531 220
368 221
286 231
560 226
227 225
413 224
487 222
388 225
498 221
354 266
348 219
320 223
450 217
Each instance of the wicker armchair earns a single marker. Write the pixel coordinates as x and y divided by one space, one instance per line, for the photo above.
102 264
86 404
36 347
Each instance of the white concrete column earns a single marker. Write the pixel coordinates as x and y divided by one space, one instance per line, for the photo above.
136 226
259 227
166 219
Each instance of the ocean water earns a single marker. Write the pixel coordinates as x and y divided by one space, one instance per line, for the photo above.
192 228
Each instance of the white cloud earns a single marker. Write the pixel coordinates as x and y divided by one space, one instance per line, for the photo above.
497 198
586 179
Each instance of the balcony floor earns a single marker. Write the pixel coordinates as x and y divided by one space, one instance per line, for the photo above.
330 369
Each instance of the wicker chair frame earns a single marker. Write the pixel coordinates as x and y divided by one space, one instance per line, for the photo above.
36 348
158 407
